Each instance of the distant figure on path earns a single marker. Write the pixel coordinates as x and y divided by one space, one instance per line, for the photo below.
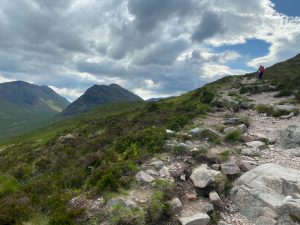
260 72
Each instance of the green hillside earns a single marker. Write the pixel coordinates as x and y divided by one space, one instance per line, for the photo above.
24 107
97 155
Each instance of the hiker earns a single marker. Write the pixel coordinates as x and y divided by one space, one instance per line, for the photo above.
260 72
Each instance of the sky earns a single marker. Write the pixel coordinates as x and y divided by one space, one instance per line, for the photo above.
154 48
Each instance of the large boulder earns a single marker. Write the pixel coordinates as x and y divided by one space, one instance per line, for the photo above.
197 219
269 192
288 137
202 176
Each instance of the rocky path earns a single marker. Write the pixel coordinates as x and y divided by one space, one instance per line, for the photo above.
267 127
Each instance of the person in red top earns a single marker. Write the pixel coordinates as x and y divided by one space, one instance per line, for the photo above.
261 71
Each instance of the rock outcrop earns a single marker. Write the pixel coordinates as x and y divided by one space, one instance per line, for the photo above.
269 193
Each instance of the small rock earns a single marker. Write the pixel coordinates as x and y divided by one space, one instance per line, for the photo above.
230 168
121 201
152 172
183 177
164 172
216 166
215 199
245 166
256 144
243 128
208 208
266 220
231 121
197 219
202 176
68 137
144 177
175 204
229 129
291 115
195 132
191 196
170 131
157 164
248 138
183 145
252 152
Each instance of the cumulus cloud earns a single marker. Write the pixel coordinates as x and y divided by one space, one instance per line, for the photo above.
152 47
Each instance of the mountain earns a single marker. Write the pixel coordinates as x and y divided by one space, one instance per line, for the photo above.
99 95
77 170
25 106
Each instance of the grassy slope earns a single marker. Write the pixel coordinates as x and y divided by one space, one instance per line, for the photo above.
49 173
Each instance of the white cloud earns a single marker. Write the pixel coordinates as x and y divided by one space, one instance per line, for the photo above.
70 94
155 48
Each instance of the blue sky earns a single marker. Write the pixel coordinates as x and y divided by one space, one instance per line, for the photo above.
154 48
288 7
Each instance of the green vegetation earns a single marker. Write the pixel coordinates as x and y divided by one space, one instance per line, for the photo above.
224 156
8 184
104 156
284 93
271 111
233 136
158 209
121 215
264 109
211 136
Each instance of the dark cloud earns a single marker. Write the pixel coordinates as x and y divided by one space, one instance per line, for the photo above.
149 14
153 46
210 25
164 53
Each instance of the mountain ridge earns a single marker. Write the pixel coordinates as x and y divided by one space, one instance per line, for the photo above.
25 106
99 95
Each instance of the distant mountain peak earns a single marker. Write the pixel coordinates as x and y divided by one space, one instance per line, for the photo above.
99 95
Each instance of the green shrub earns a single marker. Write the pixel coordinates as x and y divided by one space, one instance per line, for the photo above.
121 215
108 182
297 96
164 186
214 217
264 109
222 184
158 209
39 219
233 136
8 184
284 93
60 218
211 136
205 95
224 156
14 208
244 120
